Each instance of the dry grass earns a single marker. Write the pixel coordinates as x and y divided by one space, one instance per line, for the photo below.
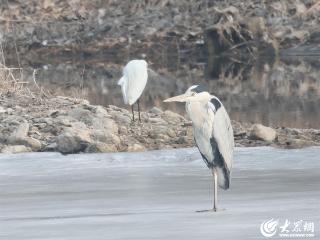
12 82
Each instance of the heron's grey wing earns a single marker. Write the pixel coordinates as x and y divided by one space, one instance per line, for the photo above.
223 133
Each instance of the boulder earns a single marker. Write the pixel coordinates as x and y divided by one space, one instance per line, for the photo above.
156 111
15 149
81 115
261 132
123 129
105 125
51 147
2 110
136 148
20 137
105 137
73 140
170 117
99 110
99 119
101 148
33 143
157 120
19 134
122 119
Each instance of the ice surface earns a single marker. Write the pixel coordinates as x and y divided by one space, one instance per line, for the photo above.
154 195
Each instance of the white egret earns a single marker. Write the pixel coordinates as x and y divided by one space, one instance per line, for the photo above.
133 82
213 133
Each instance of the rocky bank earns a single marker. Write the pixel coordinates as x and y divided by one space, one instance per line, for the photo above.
69 125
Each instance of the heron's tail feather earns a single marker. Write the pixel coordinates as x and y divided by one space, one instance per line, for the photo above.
123 83
223 177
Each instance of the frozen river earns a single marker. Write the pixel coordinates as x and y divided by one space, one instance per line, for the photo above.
154 195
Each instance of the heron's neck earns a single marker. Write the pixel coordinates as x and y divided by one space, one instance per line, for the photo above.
196 112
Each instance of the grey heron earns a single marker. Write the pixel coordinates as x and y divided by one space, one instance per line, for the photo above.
213 133
133 82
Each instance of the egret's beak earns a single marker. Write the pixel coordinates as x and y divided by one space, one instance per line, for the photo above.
179 98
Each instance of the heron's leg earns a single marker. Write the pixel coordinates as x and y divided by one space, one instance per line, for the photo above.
132 113
215 189
139 110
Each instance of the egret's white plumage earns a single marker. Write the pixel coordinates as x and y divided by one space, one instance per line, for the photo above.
213 133
134 80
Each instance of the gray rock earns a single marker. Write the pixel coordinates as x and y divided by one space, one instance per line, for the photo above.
101 147
54 113
298 143
81 115
40 125
19 134
75 126
15 149
264 133
64 121
171 133
106 125
73 140
33 143
66 100
123 130
2 110
67 143
9 110
172 117
51 147
162 137
122 119
157 121
117 109
160 129
97 120
105 137
156 111
136 148
46 120
182 140
14 120
99 110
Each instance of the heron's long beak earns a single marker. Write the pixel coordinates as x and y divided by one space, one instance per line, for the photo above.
179 98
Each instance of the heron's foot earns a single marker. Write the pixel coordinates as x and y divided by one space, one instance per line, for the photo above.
136 122
211 210
207 210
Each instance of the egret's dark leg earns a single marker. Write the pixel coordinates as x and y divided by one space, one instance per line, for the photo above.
215 189
132 113
139 111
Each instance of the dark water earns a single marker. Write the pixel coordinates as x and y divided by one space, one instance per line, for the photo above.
276 92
